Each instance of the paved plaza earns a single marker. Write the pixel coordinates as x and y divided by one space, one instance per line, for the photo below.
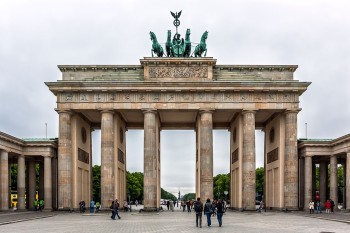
167 221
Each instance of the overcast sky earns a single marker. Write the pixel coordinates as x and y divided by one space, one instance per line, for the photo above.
36 36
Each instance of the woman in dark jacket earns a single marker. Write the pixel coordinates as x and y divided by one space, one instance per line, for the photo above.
208 208
220 212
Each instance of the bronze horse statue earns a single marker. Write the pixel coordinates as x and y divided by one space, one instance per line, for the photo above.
202 46
156 47
187 44
169 46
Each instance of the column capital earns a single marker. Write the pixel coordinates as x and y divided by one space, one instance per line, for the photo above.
68 111
106 111
206 110
149 110
297 110
244 111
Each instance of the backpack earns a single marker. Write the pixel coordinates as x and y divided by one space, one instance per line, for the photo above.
197 206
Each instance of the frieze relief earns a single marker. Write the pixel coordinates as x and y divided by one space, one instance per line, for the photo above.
178 72
225 97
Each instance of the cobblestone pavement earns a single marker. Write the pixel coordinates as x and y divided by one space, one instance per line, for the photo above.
177 221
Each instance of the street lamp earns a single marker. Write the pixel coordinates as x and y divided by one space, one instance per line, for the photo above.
226 192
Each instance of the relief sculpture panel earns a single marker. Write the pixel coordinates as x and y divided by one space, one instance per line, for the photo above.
178 72
178 97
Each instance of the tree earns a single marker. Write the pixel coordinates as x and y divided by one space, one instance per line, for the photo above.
221 184
166 195
189 196
96 183
259 172
134 185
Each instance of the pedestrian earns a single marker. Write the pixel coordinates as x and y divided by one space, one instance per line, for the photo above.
332 205
115 209
328 206
188 204
318 207
311 207
82 206
98 206
136 203
208 211
125 206
168 204
92 206
41 204
220 211
214 207
198 208
171 205
261 206
35 204
183 205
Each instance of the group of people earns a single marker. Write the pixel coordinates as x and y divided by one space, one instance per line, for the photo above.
217 207
329 206
115 209
94 207
39 204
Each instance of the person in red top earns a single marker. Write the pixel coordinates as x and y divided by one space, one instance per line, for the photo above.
328 206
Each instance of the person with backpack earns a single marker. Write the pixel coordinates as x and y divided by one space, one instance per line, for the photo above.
198 208
208 208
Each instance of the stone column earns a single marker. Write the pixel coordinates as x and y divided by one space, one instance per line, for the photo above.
47 183
313 182
291 161
31 184
248 164
347 185
150 160
21 183
308 181
333 183
107 163
206 154
323 182
41 181
65 161
4 180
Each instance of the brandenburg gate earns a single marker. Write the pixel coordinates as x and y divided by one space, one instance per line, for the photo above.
178 93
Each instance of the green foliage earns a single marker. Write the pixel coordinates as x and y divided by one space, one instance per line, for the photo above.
134 185
221 184
96 183
14 176
166 195
259 172
189 196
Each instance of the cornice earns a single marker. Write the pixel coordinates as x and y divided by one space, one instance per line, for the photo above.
291 68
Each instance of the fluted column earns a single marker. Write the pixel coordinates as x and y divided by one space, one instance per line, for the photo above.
21 183
333 184
31 184
347 184
308 181
150 160
4 180
291 161
65 161
248 165
206 154
323 182
107 154
47 183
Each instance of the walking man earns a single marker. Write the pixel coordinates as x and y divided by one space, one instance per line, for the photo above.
198 208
